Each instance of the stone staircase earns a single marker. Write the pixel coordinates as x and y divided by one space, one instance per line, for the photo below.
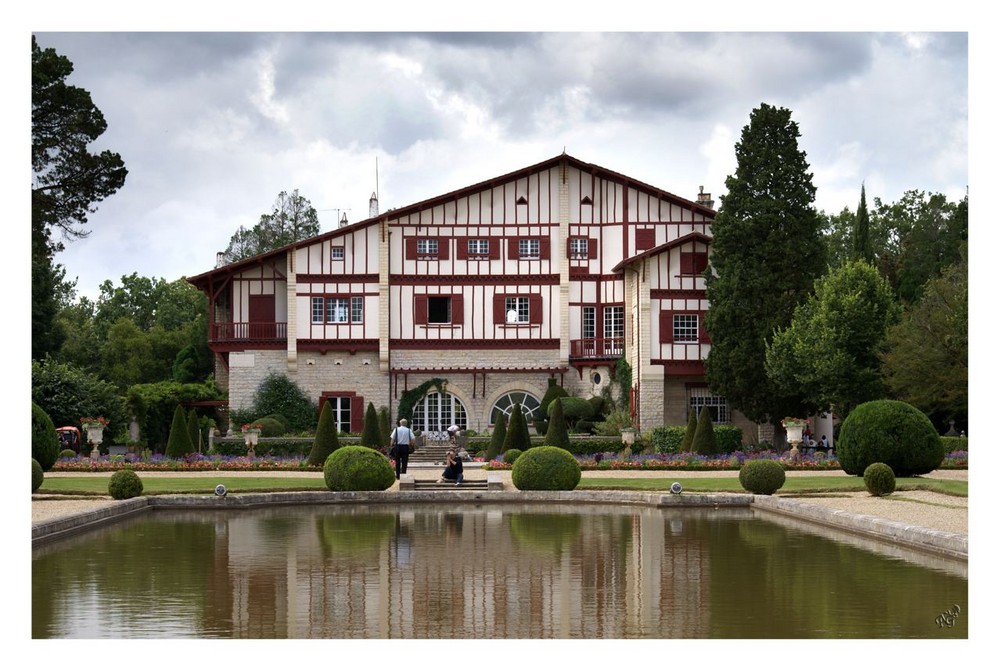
493 482
430 453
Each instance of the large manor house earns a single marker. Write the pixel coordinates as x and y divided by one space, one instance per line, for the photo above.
554 271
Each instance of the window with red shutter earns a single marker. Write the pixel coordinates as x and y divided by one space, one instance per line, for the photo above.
645 238
457 310
693 263
420 309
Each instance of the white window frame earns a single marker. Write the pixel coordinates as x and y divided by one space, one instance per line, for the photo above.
579 248
340 408
478 247
338 310
337 253
614 321
437 411
588 326
317 309
529 248
519 304
427 247
357 309
685 328
702 397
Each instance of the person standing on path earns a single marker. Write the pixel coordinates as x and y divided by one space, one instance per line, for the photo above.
402 440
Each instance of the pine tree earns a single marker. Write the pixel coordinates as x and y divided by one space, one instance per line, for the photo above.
194 430
498 438
179 440
862 237
704 435
326 440
370 430
557 435
767 251
692 426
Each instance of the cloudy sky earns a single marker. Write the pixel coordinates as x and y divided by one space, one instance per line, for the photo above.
213 125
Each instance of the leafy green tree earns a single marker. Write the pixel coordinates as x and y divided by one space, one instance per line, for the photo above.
370 434
498 438
293 218
517 437
704 435
67 181
81 346
179 441
692 426
838 234
194 430
766 254
278 394
325 441
557 435
153 405
69 393
927 360
862 237
830 351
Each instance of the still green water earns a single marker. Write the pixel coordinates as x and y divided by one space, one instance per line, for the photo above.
490 571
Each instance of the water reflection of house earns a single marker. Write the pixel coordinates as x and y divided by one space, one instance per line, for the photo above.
512 573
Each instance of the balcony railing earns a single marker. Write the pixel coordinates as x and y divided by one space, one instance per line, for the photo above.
258 331
597 348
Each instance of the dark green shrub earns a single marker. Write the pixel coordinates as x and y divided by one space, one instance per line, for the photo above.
67 454
598 406
325 442
879 479
583 426
498 437
370 434
704 436
542 426
179 441
762 476
270 427
692 428
728 438
954 444
384 426
356 468
557 434
194 430
511 455
44 441
517 431
891 432
124 484
278 417
553 392
574 409
667 439
547 468
37 475
277 394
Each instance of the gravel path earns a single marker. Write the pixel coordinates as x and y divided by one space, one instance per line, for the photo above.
919 508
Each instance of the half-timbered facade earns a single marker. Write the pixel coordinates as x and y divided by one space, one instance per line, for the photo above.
556 270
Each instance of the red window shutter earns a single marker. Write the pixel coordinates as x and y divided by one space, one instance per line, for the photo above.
666 326
494 244
512 249
420 309
357 413
462 249
499 309
411 248
700 262
443 248
545 247
569 248
702 333
592 248
457 310
645 238
535 309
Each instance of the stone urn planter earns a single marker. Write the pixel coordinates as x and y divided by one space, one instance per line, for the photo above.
251 435
628 437
793 430
94 427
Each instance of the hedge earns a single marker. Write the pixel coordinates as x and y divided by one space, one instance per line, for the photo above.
954 444
667 439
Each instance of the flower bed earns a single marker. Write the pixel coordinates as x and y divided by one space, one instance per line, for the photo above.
193 462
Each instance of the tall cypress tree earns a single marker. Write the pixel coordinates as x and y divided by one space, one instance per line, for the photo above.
325 441
862 238
370 431
688 439
179 440
767 251
498 438
194 430
517 437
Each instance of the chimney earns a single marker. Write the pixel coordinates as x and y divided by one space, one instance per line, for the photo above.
705 198
373 206
220 259
343 220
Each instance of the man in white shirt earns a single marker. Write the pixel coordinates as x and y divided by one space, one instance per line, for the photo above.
401 440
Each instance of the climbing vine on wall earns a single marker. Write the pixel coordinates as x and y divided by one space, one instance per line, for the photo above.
410 398
623 376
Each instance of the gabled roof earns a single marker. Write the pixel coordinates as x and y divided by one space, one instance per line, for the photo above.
588 168
694 236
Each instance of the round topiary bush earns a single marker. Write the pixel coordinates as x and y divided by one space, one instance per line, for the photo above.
37 475
124 484
271 427
546 467
67 454
762 476
44 441
355 468
879 479
511 455
893 433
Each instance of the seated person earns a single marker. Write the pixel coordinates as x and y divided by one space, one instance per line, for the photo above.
453 468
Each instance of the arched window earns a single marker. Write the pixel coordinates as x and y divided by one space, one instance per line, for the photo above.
505 404
437 411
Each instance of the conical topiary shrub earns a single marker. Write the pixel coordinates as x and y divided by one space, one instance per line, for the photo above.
326 437
688 440
704 435
179 440
194 430
370 431
497 439
517 437
384 426
557 435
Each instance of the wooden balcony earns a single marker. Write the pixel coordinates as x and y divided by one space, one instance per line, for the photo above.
258 332
597 348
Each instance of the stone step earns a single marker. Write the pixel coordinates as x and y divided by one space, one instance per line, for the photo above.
429 485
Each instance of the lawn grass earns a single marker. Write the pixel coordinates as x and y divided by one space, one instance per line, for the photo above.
815 484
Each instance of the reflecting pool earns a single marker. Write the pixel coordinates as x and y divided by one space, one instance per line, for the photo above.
486 571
